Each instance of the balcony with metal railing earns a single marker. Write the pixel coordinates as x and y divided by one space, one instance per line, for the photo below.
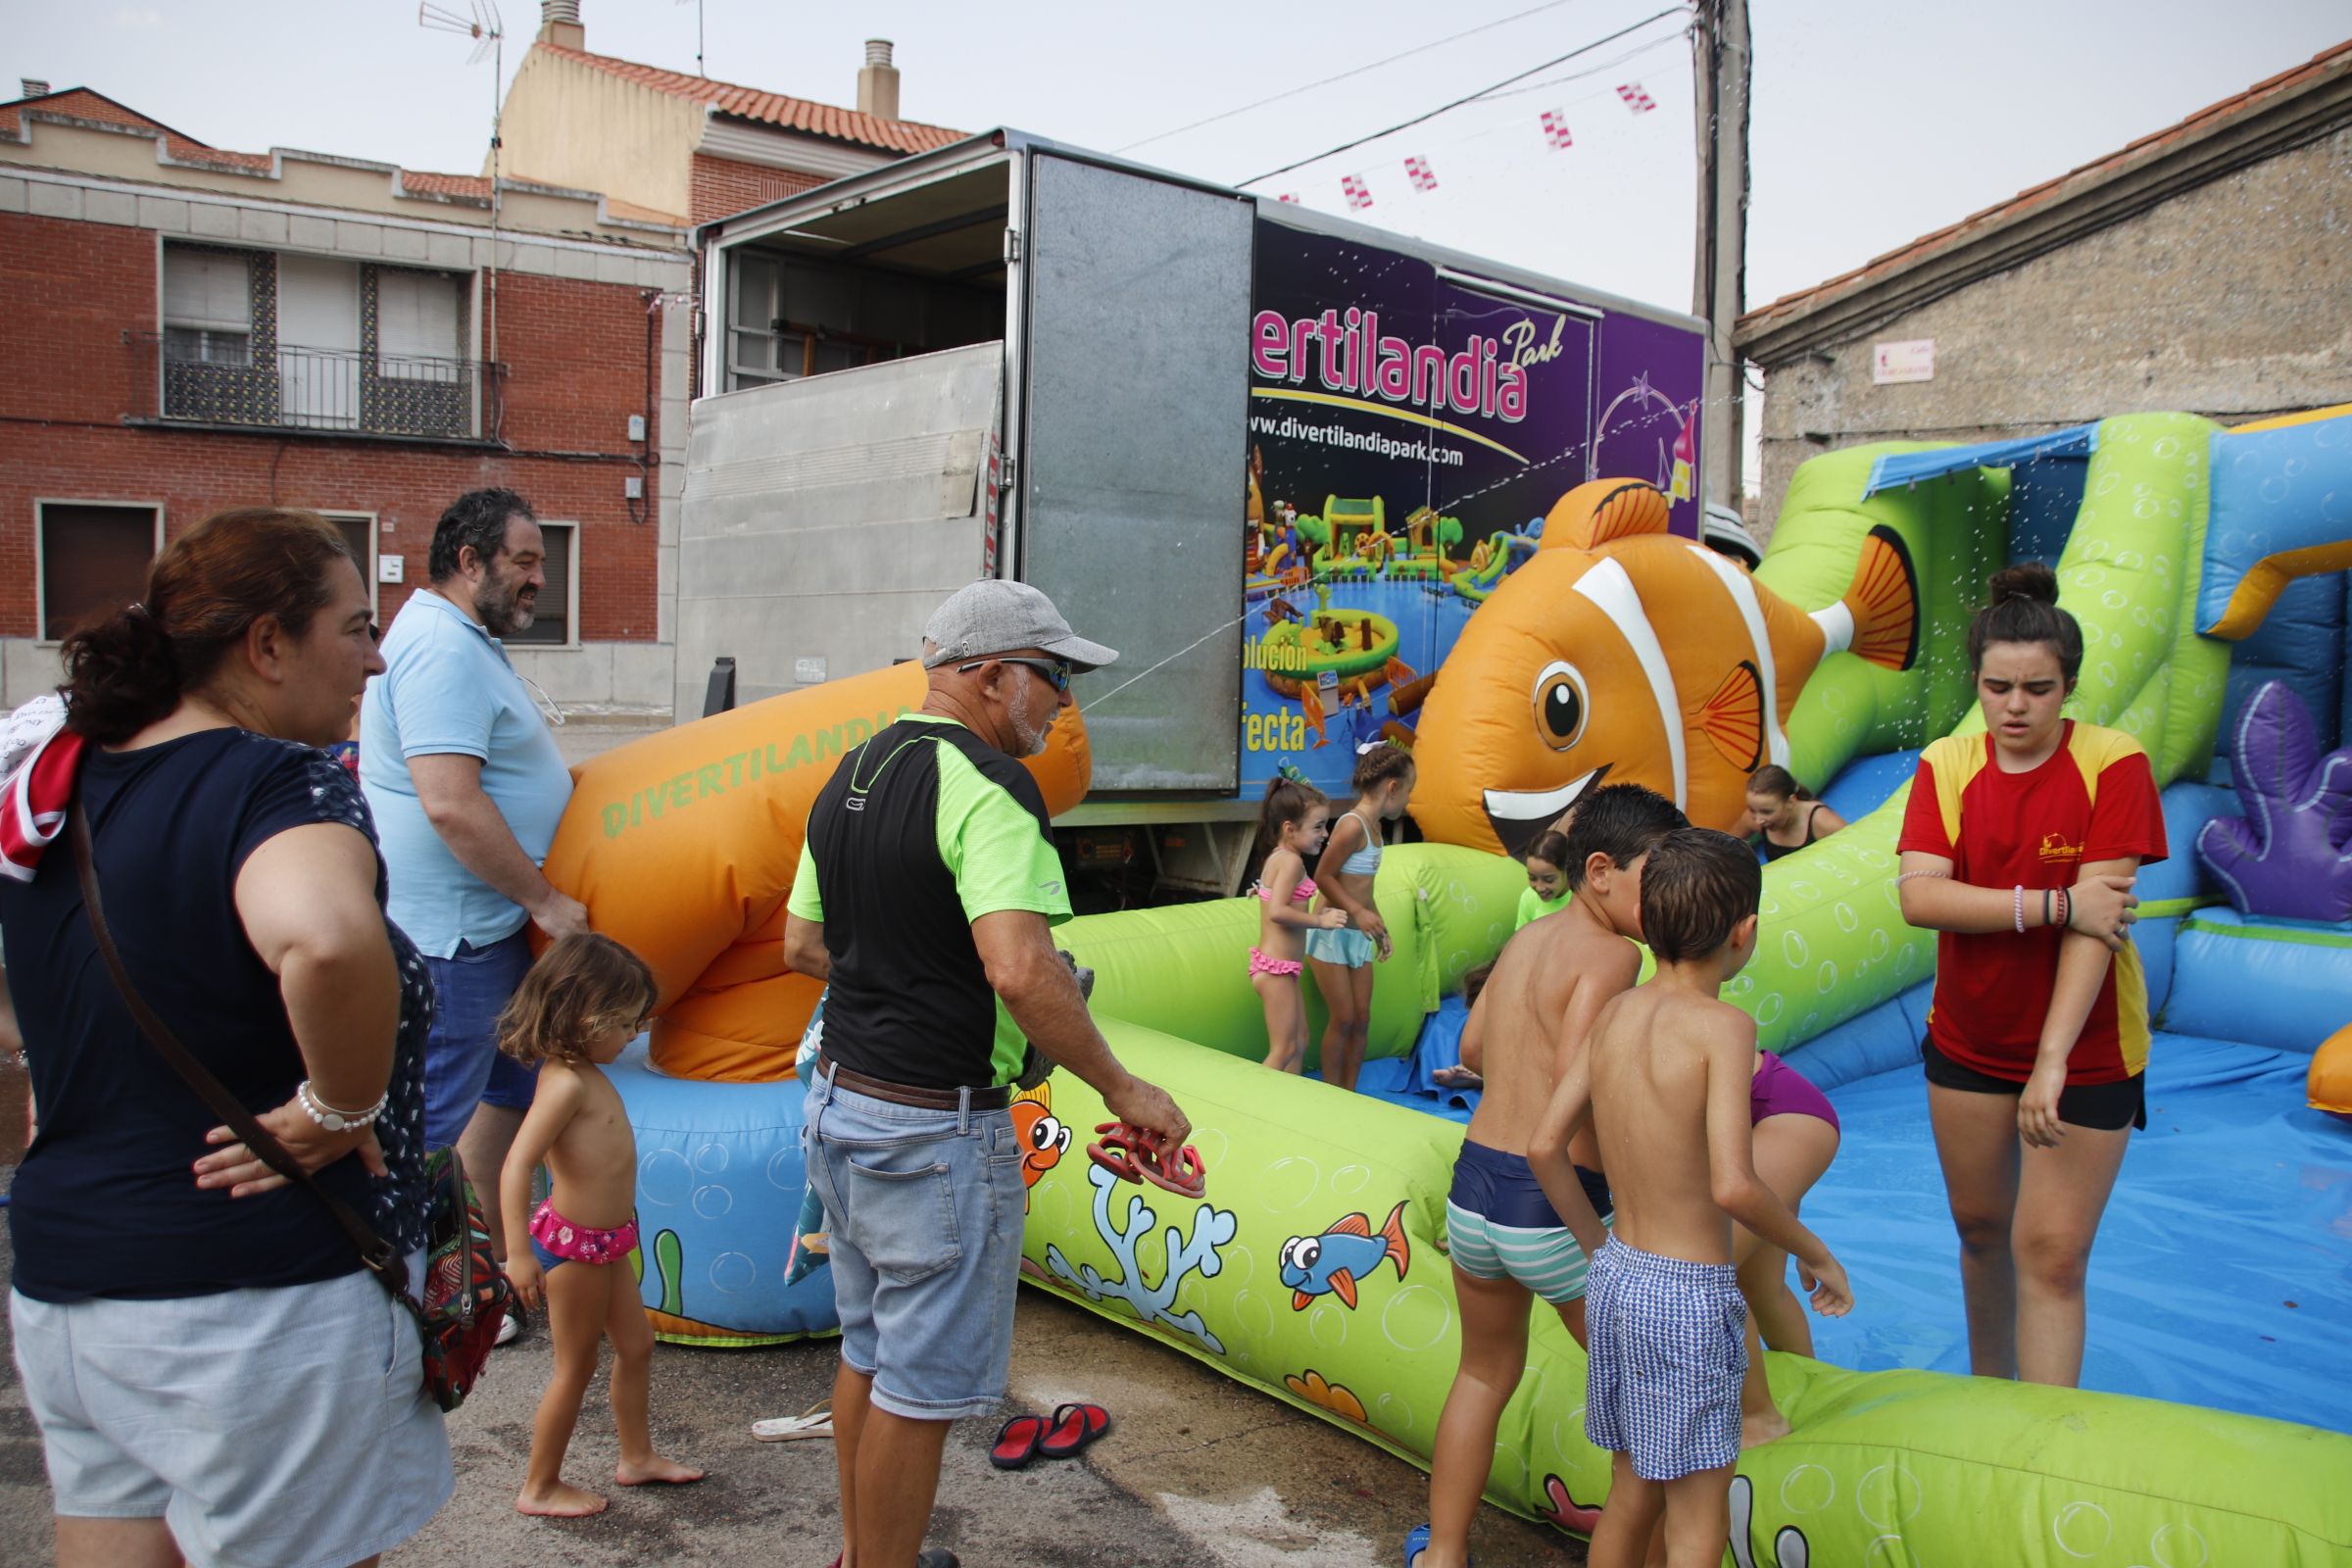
212 378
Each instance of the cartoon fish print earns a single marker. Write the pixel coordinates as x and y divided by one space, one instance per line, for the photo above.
1621 653
1043 1137
1336 1262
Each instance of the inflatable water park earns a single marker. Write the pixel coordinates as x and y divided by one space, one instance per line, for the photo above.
2211 569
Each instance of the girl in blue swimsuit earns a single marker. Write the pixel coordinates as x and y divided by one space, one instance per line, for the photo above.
1342 959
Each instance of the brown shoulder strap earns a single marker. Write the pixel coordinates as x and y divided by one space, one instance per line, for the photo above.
374 1251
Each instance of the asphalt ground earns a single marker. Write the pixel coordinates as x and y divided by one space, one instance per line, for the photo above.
1197 1471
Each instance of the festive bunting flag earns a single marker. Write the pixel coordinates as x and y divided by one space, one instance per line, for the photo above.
1417 171
1358 195
1640 102
1556 130
1288 196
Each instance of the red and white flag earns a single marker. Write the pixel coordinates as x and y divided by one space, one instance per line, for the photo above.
1359 195
1556 130
1640 102
1417 171
1288 196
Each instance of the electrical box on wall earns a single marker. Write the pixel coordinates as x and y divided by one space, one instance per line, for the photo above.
636 426
633 487
391 568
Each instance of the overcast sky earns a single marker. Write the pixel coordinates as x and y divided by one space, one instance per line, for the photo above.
1875 121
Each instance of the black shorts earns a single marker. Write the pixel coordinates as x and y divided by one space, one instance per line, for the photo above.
2104 1107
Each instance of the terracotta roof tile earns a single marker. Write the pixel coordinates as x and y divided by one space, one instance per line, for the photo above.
422 184
772 108
2076 179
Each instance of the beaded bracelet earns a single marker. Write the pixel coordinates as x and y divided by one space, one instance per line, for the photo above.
318 1110
2020 912
1906 876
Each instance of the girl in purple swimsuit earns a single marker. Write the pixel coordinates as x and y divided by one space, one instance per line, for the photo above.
1795 1138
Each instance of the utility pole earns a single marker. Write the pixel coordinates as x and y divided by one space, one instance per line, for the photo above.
1720 61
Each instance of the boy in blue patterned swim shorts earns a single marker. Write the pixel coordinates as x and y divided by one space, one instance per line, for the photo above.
1664 1080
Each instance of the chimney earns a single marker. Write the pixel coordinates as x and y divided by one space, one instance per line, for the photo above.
35 88
559 24
878 82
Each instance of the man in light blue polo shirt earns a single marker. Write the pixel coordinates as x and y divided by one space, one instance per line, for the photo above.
467 784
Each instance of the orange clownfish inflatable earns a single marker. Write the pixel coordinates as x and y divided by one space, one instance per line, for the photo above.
1621 653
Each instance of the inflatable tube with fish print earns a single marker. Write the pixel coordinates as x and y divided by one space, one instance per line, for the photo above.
1890 1467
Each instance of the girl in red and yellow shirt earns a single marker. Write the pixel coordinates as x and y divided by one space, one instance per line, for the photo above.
2021 847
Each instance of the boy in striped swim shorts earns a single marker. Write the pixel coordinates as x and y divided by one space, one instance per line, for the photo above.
1509 1240
1663 1080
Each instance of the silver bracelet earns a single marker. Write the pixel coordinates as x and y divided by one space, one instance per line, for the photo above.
1909 875
338 1122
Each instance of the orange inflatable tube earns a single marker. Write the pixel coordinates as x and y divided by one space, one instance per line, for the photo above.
683 846
2330 1084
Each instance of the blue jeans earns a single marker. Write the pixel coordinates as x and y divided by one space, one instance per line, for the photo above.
924 1209
462 1066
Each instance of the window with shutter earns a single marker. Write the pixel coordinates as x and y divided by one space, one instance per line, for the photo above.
418 316
208 307
559 600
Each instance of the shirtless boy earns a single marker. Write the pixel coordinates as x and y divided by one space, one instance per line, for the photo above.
1510 1242
1663 1080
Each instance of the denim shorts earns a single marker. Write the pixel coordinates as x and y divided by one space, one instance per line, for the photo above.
462 1065
924 1209
285 1426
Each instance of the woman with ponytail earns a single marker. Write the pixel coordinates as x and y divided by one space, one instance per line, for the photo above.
2021 846
187 1319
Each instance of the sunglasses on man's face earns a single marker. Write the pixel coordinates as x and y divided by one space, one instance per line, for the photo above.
1056 672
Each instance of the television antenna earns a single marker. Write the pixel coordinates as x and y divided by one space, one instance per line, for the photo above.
697 36
487 28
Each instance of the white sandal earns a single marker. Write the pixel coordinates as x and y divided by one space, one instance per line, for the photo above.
815 1422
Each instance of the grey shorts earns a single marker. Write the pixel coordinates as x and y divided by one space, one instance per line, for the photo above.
285 1426
925 1211
1669 1346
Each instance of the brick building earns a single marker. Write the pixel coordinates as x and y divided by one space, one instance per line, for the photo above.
191 330
2202 268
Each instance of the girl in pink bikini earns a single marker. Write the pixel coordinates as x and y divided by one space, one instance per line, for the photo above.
1290 833
575 1011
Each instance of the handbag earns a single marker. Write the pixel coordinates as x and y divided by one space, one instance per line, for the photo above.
466 1295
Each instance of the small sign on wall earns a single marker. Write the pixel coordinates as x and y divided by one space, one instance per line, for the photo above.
808 671
1912 359
391 568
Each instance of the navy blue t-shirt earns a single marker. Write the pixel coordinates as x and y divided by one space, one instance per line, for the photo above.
105 1202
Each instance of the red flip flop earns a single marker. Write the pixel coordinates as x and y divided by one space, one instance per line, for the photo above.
1017 1442
1074 1427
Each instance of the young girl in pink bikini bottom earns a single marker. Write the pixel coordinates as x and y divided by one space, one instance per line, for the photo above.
1290 831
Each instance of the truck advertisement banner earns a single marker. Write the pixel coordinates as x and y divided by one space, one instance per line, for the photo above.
1408 434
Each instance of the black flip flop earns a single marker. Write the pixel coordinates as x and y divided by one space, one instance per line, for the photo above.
1017 1442
1074 1426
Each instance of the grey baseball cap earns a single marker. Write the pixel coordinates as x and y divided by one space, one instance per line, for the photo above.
994 615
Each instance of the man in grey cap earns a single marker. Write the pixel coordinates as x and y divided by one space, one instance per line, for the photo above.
927 888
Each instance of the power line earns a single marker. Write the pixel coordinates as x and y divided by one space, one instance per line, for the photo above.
1289 93
1516 76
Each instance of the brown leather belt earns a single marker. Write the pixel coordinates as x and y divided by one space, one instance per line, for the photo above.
994 1098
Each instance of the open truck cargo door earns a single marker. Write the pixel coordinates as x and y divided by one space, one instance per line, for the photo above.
1134 473
826 517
